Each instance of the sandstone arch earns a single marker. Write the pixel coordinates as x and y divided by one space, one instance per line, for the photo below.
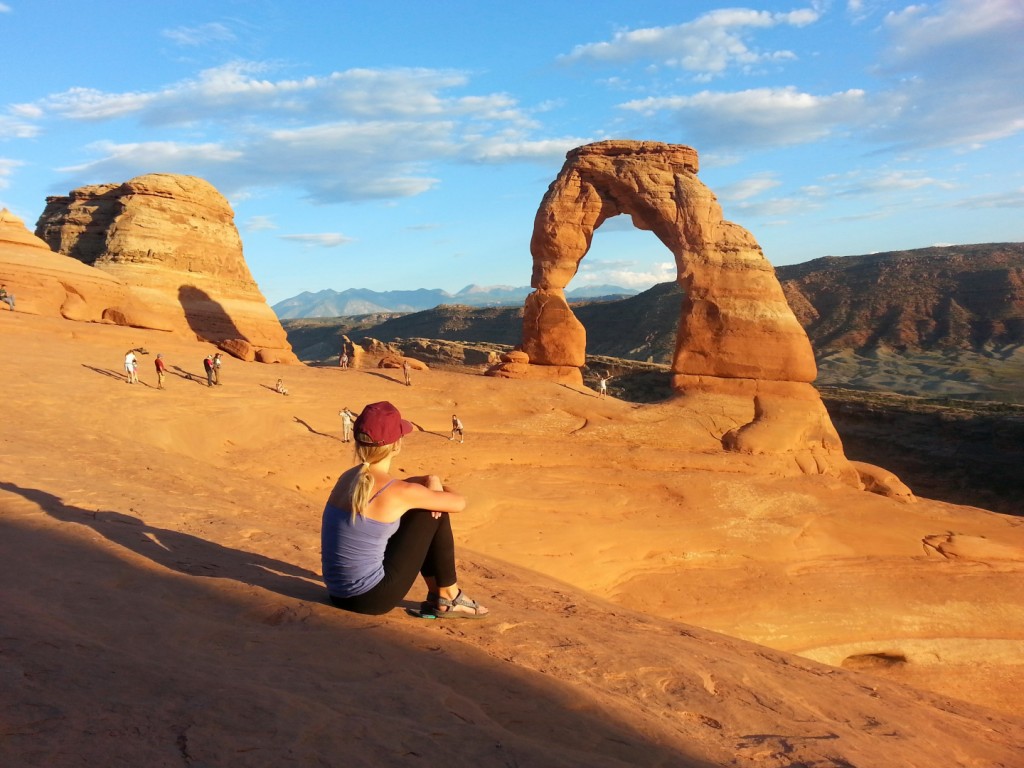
737 336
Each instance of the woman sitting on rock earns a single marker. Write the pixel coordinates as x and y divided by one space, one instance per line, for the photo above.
378 531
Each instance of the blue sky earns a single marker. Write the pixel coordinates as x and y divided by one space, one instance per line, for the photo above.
399 145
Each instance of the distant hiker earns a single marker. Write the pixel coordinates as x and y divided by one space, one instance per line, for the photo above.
280 388
131 365
379 531
6 298
347 420
408 374
208 367
457 427
216 368
161 369
602 384
343 360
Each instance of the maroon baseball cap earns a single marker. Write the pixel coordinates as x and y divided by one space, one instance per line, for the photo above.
381 424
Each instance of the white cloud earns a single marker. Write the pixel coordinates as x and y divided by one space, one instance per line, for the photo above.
260 223
883 182
359 134
13 126
773 207
91 104
5 8
7 167
748 188
957 73
624 273
200 35
1011 199
900 181
709 45
124 160
756 117
322 239
499 149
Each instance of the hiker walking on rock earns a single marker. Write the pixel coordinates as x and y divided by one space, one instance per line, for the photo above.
161 369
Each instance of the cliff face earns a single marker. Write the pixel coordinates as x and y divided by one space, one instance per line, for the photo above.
172 240
956 297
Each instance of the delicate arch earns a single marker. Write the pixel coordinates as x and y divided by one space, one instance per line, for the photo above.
737 336
735 321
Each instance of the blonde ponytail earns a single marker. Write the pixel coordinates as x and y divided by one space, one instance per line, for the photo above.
362 487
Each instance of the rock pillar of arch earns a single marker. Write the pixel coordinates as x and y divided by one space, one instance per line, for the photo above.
737 336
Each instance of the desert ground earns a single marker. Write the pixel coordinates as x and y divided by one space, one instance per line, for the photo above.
655 600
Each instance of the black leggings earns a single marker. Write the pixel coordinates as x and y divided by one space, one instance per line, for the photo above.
422 544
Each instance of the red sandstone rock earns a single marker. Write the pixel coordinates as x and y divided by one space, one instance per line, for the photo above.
561 374
735 324
46 283
556 337
883 482
239 348
515 356
173 241
398 362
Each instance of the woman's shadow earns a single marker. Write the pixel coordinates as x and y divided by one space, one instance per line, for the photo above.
182 552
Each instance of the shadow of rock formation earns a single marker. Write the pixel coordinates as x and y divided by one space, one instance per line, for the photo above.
207 318
182 552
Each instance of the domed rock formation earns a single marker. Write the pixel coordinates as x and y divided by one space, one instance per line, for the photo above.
173 241
46 283
737 338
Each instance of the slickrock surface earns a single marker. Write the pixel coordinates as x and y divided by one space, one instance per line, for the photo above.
172 239
160 600
738 342
46 283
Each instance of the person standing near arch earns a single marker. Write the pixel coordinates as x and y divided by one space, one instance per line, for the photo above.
457 428
347 420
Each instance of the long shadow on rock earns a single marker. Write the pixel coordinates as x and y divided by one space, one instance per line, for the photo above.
165 668
182 552
206 317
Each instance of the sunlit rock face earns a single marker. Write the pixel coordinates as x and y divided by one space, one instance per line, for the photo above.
737 336
48 284
172 240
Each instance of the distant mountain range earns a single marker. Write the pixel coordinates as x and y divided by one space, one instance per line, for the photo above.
362 301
